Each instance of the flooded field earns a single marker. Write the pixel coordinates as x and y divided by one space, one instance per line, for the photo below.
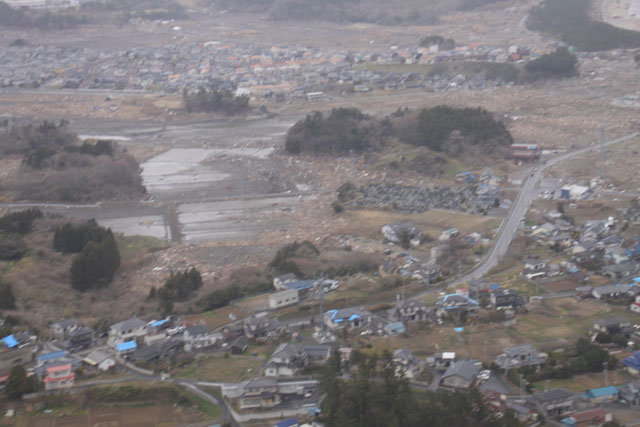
210 182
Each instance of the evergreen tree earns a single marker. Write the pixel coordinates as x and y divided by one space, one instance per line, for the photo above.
17 383
7 299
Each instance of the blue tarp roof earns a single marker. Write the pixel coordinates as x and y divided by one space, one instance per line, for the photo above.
632 361
50 356
300 284
159 323
636 279
128 345
10 341
287 423
396 327
458 329
601 392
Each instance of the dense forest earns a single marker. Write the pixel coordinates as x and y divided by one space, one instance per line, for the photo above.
342 130
558 64
570 20
375 396
56 166
13 226
215 101
378 11
456 132
42 20
98 257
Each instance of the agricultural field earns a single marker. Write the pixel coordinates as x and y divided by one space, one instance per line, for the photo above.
220 369
128 405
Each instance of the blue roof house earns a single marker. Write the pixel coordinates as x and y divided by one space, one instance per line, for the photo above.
632 363
127 346
602 394
9 341
346 318
52 357
291 422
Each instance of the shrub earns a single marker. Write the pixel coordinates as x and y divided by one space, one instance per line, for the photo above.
179 286
70 238
19 222
337 207
12 246
560 63
96 264
7 299
344 129
216 101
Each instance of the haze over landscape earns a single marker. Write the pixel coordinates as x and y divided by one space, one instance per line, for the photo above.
319 212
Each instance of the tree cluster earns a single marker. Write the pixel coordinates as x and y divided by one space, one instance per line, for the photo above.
377 11
344 129
443 43
18 384
571 21
223 297
24 18
12 227
57 167
560 63
19 222
72 238
177 288
376 396
454 130
98 260
215 101
584 357
7 299
283 263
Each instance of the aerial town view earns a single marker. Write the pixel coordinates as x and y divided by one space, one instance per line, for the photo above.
319 213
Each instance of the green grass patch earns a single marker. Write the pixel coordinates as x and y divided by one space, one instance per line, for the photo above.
219 369
212 411
134 245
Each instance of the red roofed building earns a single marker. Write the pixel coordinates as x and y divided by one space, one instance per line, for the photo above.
594 417
59 377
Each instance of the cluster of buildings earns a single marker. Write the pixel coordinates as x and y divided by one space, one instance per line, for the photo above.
279 72
596 245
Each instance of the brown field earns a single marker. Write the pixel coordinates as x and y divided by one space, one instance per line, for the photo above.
148 416
219 368
367 223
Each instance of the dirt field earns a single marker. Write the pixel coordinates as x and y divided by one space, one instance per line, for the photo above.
149 416
217 368
367 223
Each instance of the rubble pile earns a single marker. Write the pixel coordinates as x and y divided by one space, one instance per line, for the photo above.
414 199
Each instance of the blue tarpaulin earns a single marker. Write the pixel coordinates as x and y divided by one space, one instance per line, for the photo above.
10 341
128 345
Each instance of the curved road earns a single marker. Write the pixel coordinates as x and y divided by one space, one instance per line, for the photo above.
527 194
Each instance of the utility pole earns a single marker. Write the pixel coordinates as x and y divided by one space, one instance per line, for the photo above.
606 374
602 155
353 166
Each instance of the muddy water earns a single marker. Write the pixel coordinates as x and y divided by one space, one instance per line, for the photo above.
200 183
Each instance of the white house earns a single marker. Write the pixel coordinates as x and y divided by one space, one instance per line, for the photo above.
100 360
128 330
284 298
198 336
